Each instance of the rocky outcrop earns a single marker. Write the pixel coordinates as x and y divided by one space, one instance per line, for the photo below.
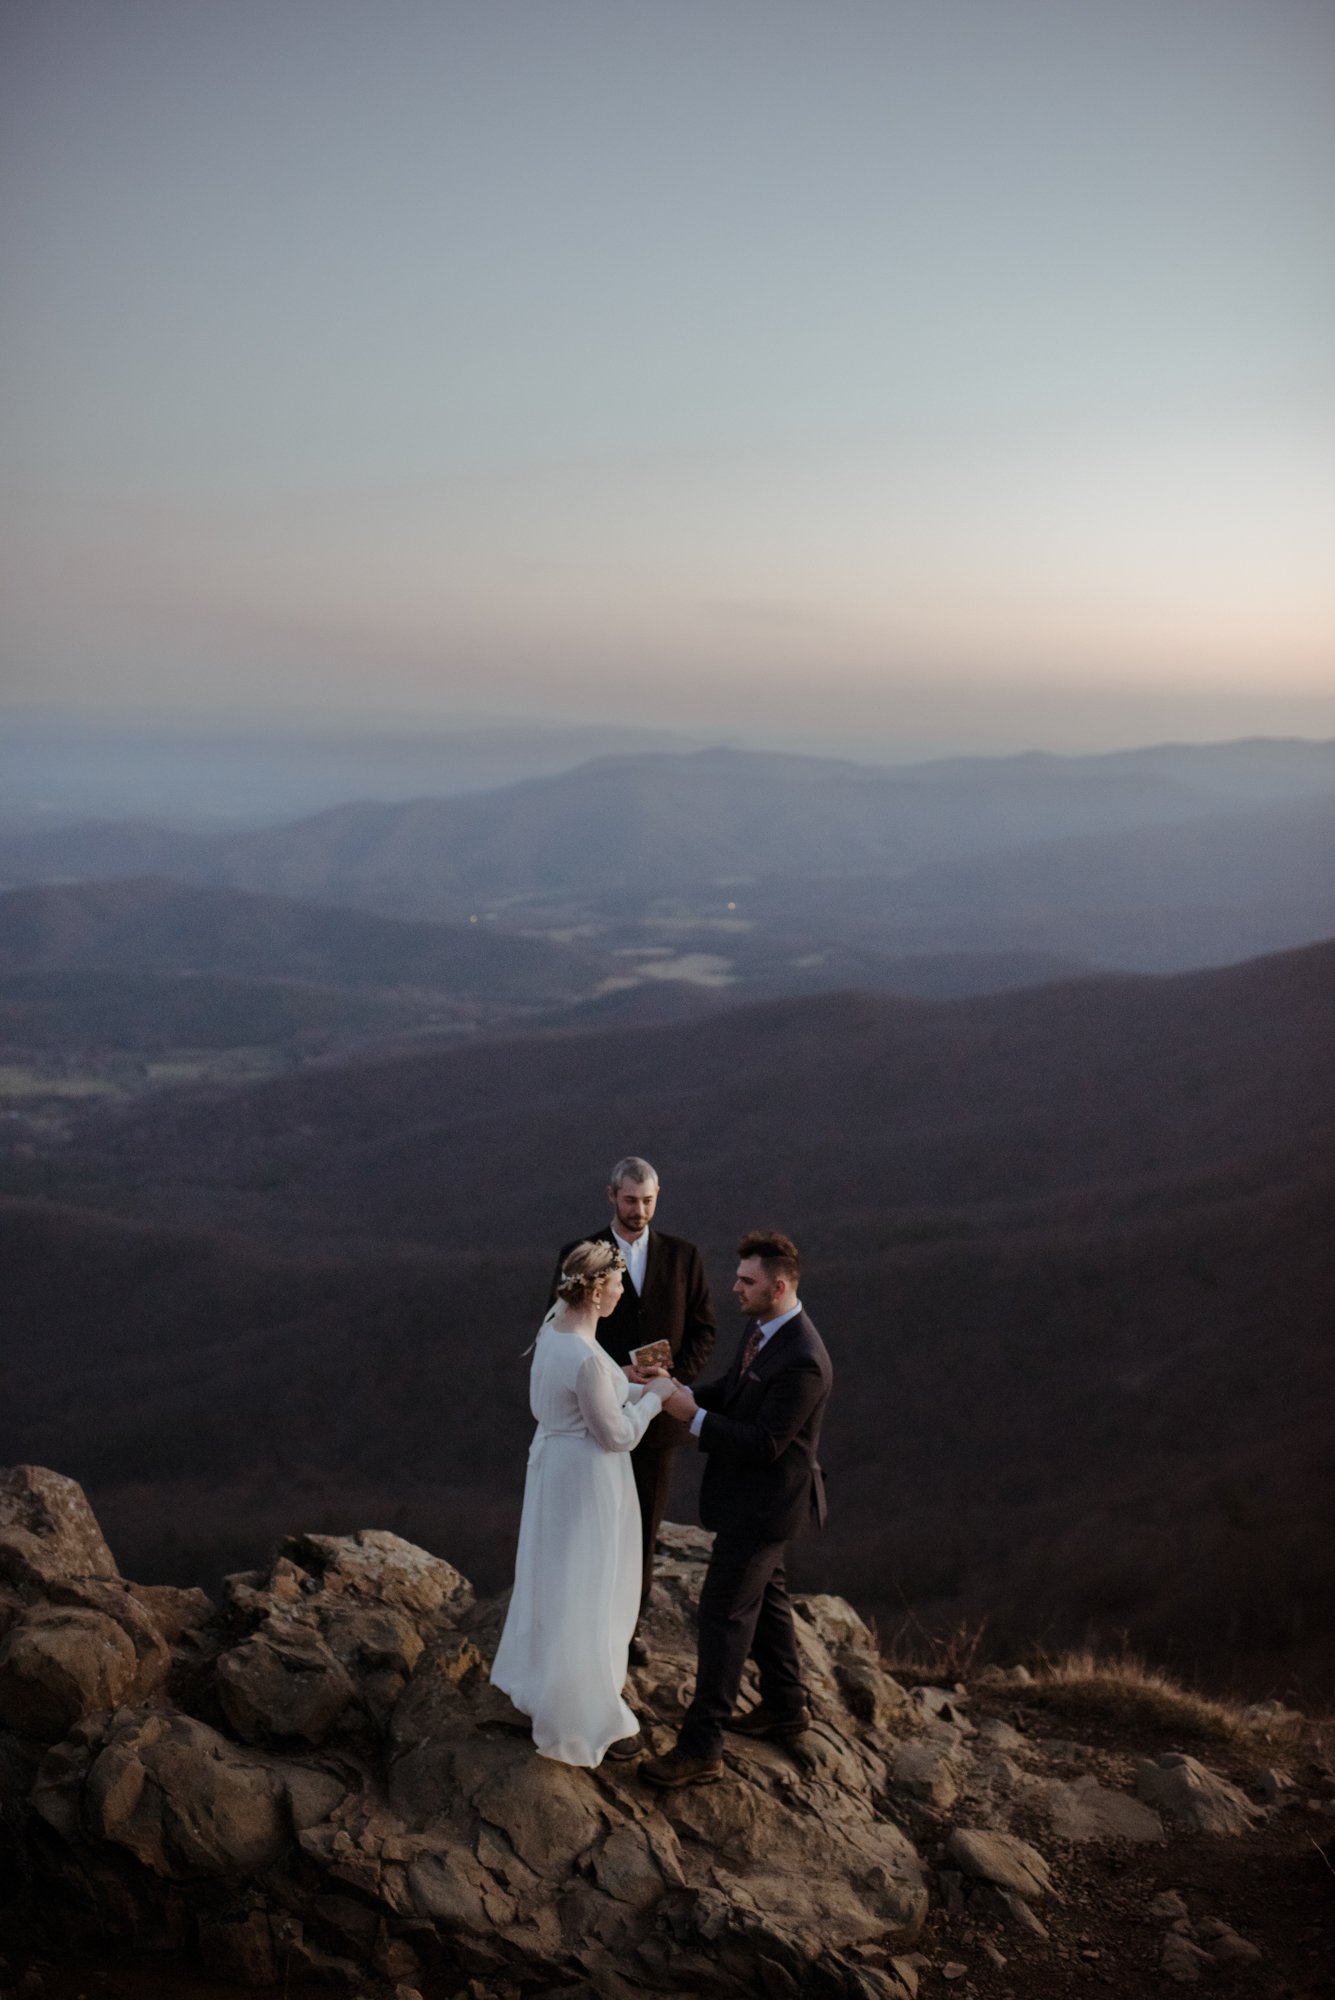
56 1665
314 1781
1087 1810
47 1529
318 1781
1193 1795
1001 1859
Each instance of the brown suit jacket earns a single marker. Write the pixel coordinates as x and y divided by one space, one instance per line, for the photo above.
674 1307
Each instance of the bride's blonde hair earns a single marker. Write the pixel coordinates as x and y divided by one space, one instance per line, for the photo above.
585 1270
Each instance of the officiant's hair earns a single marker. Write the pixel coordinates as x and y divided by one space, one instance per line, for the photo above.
777 1253
633 1169
584 1270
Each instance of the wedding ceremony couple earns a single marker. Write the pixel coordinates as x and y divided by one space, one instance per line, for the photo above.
609 1416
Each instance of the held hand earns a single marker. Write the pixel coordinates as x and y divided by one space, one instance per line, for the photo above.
681 1403
634 1374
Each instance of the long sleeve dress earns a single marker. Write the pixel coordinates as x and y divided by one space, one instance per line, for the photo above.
563 1651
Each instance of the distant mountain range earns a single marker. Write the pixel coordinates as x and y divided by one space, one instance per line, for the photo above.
57 767
787 874
1070 1249
1164 898
659 821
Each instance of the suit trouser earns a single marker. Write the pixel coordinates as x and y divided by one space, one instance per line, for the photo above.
652 1468
744 1612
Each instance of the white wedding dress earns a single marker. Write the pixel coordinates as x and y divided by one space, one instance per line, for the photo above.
562 1655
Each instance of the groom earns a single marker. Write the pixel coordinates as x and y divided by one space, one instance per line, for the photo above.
760 1426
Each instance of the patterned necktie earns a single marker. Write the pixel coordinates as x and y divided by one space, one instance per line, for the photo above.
752 1348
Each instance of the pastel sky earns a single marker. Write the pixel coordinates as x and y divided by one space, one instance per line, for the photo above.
927 374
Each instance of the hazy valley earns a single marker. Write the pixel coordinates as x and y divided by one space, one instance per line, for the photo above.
293 1118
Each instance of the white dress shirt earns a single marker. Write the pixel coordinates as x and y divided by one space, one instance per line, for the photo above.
636 1255
768 1328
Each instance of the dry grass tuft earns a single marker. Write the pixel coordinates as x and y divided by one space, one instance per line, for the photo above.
1125 1689
916 1652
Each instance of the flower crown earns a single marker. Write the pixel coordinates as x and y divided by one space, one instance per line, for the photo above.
576 1284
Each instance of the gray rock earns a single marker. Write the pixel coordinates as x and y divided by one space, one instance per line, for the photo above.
1169 1905
999 1734
1226 1947
181 1799
998 1774
870 1694
58 1664
312 1793
449 1887
989 1901
372 1637
281 1684
381 1568
1002 1859
930 1770
1275 1788
117 1600
335 1617
630 1868
1194 1796
174 1612
842 1632
1085 1810
944 1704
1182 1960
47 1529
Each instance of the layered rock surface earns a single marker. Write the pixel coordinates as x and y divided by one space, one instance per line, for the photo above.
316 1779
313 1780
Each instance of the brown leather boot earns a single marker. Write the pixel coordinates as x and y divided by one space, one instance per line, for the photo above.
768 1722
679 1768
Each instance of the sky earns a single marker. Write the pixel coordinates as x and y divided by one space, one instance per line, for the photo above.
918 375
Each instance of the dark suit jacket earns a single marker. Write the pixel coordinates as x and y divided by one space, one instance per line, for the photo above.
674 1306
762 1436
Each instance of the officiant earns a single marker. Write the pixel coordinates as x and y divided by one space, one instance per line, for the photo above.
666 1297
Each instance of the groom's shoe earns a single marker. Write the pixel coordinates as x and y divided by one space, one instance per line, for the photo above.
772 1723
680 1768
639 1653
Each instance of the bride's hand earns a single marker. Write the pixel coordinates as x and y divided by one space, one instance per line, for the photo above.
681 1403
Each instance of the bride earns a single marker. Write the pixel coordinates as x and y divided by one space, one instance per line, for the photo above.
563 1651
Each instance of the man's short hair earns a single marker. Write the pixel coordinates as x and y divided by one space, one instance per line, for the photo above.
778 1253
633 1169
